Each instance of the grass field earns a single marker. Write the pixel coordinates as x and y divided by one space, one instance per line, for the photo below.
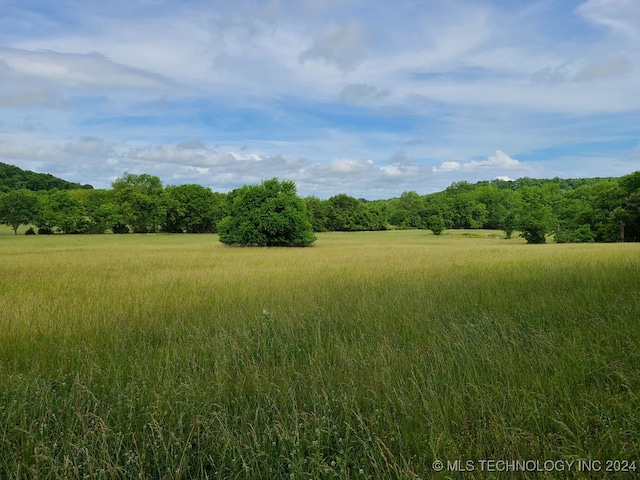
369 355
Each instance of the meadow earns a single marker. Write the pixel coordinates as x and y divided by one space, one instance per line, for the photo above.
368 355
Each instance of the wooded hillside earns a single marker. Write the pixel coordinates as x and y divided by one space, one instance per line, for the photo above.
14 178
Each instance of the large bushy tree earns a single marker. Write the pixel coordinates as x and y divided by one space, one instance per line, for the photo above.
536 218
193 208
269 214
408 211
58 209
141 201
18 207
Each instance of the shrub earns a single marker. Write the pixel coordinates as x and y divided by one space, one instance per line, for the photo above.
270 214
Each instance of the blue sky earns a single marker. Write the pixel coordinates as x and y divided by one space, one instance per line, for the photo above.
342 96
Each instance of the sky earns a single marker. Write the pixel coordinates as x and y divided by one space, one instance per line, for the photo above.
364 97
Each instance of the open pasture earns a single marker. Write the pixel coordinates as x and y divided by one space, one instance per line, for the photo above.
368 355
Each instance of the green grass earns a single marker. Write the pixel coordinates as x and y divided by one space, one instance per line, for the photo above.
369 355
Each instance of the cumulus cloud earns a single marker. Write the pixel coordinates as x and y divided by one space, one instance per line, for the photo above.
500 160
192 161
348 165
177 154
400 171
447 166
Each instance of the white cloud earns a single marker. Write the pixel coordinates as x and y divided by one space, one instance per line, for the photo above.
450 166
175 89
347 165
400 171
501 159
498 161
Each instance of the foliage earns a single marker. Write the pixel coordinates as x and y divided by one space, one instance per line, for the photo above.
18 207
270 214
348 214
58 209
408 211
14 178
576 210
536 219
318 213
192 209
435 223
140 200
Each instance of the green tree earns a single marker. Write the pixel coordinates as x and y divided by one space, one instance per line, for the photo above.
318 213
108 217
59 209
343 212
500 204
141 201
191 209
102 213
606 197
408 211
18 207
269 214
348 214
631 207
536 219
435 223
632 222
468 212
374 216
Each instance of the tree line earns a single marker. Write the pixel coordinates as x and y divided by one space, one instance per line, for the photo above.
573 210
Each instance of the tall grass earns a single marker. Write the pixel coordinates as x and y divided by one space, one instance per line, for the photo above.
368 355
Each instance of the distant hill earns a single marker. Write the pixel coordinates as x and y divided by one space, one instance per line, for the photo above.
14 178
